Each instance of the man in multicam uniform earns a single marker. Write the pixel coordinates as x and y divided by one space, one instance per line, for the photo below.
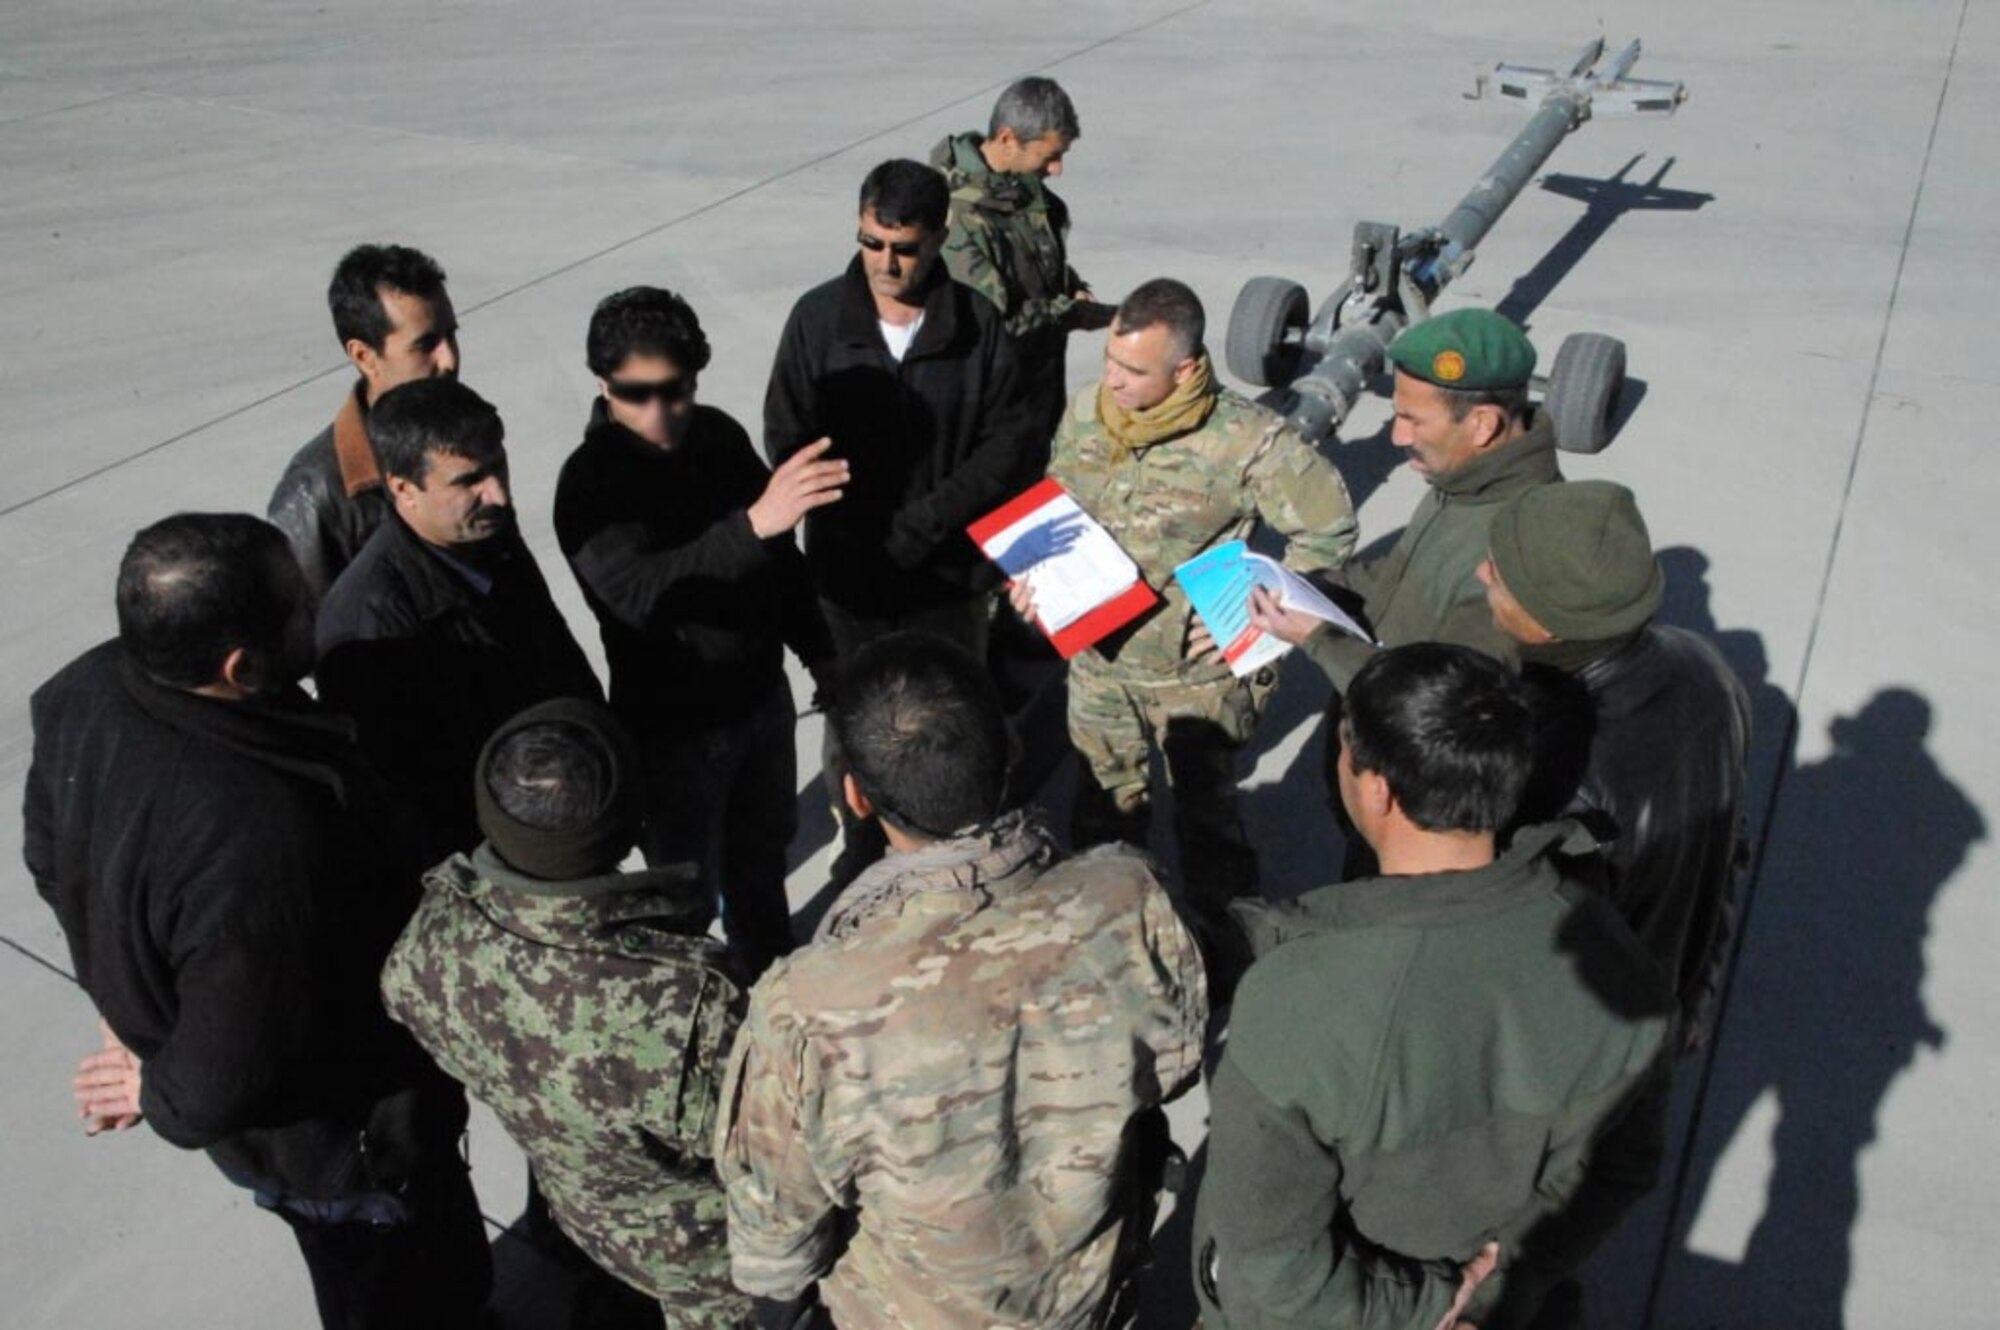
587 1007
943 1111
1009 231
1173 464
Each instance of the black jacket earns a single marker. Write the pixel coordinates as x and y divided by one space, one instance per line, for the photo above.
428 665
932 442
230 877
330 499
695 611
1650 742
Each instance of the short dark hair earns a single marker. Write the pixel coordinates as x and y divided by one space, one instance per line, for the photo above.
412 421
1164 300
355 294
901 192
1448 728
644 320
196 586
1513 402
923 733
552 776
1035 108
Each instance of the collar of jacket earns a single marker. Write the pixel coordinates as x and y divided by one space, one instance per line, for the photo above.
1593 662
436 588
1521 873
352 451
287 732
580 914
988 861
965 170
858 319
1520 464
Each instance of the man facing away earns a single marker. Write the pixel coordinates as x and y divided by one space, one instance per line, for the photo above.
1444 1084
442 627
396 325
587 1006
1637 723
682 543
229 874
943 1112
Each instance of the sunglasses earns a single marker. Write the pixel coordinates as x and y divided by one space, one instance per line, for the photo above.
902 249
638 394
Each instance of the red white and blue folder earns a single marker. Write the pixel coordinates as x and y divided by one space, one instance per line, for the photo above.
1086 587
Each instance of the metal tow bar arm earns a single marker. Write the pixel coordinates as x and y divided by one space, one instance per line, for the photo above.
1322 365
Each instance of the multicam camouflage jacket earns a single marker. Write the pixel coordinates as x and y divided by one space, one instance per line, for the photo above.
593 1017
947 1072
1167 502
1007 239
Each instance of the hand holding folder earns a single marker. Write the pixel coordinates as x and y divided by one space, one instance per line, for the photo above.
1084 586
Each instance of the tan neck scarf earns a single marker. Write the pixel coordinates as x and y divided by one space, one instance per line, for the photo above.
1185 410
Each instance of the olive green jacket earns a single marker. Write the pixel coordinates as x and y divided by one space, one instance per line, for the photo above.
1416 1066
1427 588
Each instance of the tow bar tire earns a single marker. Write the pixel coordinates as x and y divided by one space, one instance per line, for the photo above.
1585 384
1268 311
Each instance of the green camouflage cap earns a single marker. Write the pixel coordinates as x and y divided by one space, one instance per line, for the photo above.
1467 348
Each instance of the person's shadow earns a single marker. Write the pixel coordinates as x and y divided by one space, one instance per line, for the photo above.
1825 1011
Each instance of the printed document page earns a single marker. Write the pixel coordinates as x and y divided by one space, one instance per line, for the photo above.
1070 561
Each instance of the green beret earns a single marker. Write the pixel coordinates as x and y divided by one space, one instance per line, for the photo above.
1467 348
1577 556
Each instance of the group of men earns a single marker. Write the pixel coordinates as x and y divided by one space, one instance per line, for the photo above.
310 924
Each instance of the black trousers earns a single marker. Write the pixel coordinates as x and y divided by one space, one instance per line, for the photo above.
417 1261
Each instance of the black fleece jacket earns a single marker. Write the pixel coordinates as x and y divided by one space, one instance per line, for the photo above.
932 442
694 609
230 877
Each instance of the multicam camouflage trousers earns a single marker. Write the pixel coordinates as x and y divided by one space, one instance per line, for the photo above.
1118 719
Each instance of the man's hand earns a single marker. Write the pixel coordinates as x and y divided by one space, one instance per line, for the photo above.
1087 315
106 1086
1471 1275
1021 595
1269 613
802 484
1200 642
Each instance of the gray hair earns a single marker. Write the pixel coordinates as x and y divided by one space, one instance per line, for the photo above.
1034 108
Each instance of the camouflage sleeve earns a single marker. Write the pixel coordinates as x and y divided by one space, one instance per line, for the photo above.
783 1221
1301 496
969 256
683 1062
1180 998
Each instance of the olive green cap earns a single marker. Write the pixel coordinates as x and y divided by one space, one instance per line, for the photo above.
1577 556
1468 348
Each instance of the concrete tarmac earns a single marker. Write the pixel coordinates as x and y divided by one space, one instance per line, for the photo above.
1795 262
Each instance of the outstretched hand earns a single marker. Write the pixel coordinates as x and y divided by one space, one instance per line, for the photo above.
803 483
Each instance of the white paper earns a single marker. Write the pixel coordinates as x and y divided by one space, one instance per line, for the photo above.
1295 593
1070 562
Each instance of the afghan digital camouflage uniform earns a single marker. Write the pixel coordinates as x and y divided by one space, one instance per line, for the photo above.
1007 241
1165 503
593 1017
954 1072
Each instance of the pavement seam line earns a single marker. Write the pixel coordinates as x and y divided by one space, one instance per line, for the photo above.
574 264
36 957
1754 879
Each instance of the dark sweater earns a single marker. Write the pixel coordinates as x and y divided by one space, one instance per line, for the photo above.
428 665
933 441
694 609
230 876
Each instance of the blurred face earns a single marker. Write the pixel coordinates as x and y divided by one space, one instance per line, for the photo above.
1508 614
649 395
896 259
1437 444
1040 157
461 502
1143 367
422 343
